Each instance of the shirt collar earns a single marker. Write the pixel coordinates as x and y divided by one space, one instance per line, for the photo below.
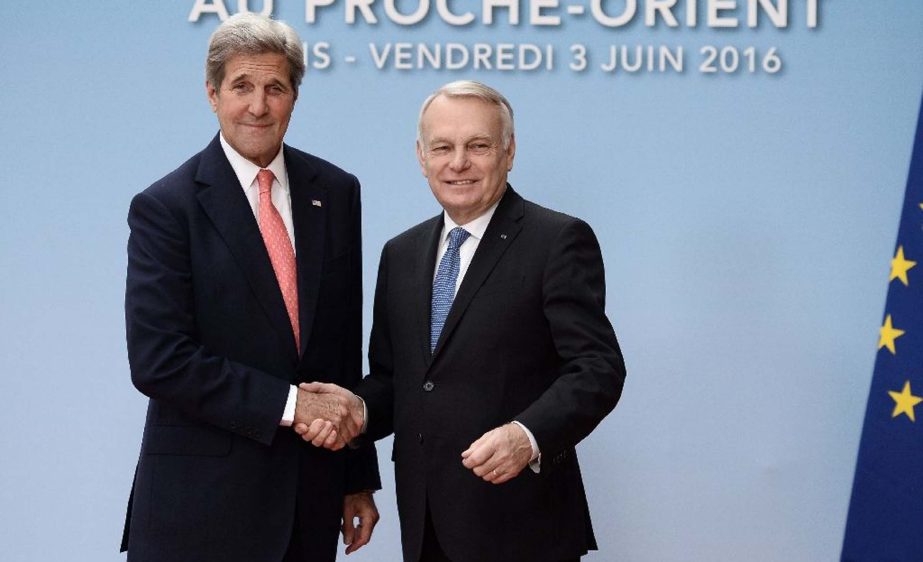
475 228
246 170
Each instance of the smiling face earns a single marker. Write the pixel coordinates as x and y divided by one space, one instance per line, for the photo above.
462 155
254 104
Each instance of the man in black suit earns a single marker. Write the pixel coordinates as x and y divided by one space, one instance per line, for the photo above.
244 279
491 356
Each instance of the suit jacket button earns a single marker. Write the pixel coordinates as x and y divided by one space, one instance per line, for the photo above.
428 386
420 437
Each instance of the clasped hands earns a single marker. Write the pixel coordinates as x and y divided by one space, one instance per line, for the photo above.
329 416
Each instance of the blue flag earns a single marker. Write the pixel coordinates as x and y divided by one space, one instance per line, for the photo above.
885 520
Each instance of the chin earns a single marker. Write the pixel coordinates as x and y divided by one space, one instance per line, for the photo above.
459 203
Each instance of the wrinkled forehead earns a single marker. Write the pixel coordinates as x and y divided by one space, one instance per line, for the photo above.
268 66
460 118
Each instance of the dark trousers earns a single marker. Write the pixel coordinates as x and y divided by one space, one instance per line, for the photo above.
318 546
432 550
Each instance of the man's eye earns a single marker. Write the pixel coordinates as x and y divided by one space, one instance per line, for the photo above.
479 147
439 149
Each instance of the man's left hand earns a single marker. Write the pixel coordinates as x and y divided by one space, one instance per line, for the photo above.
360 505
500 454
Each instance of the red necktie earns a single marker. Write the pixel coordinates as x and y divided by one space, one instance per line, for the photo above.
281 253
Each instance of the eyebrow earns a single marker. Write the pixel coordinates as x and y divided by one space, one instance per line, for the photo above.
246 76
466 141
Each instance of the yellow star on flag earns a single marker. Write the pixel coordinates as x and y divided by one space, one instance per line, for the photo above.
900 267
887 334
904 402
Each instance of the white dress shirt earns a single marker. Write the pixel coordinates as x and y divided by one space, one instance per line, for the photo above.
246 172
476 229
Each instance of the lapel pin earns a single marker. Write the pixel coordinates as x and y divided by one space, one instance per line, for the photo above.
503 237
316 203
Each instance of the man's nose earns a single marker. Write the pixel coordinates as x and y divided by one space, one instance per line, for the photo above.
258 105
459 160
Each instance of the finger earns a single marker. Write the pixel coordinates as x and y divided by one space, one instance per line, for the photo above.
358 416
338 444
477 443
479 455
300 428
363 536
313 430
489 469
322 435
506 471
503 472
349 529
333 441
310 386
488 439
321 387
503 477
367 520
349 428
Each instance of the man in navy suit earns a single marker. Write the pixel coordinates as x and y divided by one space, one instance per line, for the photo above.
490 357
244 280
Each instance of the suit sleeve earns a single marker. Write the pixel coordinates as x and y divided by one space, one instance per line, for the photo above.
167 362
362 462
591 372
377 389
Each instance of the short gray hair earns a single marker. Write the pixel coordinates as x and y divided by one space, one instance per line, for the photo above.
247 33
472 89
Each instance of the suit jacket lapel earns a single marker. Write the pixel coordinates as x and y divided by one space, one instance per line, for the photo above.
226 205
503 228
423 283
309 218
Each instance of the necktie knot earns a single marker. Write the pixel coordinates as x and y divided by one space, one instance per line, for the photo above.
457 237
264 179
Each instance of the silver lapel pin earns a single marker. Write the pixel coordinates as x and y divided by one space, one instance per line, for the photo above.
316 203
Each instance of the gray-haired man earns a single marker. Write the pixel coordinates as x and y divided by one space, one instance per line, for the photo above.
244 279
490 357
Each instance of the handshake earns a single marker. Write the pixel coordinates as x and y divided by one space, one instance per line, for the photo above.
328 415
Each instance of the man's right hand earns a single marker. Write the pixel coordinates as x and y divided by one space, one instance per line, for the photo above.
327 415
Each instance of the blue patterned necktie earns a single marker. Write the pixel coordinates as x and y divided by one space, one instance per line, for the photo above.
444 284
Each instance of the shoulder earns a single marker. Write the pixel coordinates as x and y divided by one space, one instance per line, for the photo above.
550 223
413 237
327 171
174 192
175 182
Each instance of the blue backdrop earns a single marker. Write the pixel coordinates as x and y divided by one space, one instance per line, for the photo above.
747 221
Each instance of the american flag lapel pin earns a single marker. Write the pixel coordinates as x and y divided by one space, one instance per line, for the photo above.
316 203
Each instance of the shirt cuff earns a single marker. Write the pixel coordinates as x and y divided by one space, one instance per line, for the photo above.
365 416
288 414
535 463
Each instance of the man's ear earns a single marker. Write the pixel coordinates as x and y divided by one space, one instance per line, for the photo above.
212 94
421 159
511 152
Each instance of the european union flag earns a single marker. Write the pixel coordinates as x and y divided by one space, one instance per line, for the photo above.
885 520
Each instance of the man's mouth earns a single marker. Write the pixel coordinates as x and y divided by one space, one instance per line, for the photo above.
461 183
